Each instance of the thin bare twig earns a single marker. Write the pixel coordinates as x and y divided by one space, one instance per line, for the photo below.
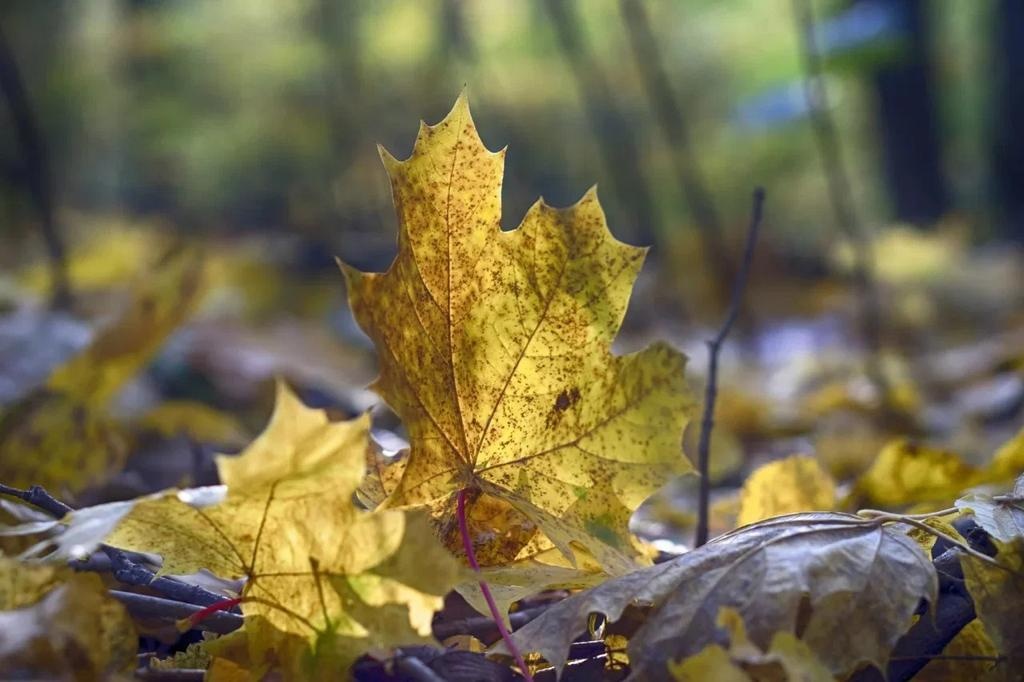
39 498
144 605
826 137
121 565
714 346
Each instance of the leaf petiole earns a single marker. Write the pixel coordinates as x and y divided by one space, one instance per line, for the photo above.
499 621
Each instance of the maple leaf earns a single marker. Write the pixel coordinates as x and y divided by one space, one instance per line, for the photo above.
790 485
318 569
855 585
60 436
906 473
56 624
997 589
495 350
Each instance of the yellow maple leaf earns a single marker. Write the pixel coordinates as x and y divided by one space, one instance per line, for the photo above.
495 350
906 473
61 436
787 486
318 569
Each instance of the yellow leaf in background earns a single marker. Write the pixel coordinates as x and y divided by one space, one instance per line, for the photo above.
495 347
317 567
106 257
57 624
795 484
199 422
1008 462
60 436
162 299
905 473
61 444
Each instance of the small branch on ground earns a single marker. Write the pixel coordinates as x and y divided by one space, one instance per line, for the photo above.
39 498
121 565
146 606
714 346
483 628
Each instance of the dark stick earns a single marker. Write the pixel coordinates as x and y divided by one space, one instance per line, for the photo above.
39 498
144 605
714 346
826 137
36 160
483 627
121 565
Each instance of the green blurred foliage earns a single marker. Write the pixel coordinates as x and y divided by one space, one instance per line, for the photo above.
229 115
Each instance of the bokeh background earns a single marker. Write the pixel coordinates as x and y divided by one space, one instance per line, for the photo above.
886 296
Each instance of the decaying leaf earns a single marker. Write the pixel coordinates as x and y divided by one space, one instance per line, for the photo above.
495 350
60 436
844 587
786 486
787 660
319 570
998 592
56 624
907 473
1002 517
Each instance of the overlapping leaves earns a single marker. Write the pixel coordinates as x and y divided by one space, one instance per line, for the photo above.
324 579
846 587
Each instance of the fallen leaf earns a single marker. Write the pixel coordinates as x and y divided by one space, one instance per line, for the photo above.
1008 462
318 569
57 624
847 588
60 436
906 473
495 349
790 485
199 422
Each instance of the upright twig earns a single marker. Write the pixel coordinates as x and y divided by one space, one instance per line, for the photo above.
826 137
35 160
669 116
499 620
714 346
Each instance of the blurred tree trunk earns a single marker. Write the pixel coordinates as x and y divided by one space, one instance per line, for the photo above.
610 128
1008 114
908 121
35 168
